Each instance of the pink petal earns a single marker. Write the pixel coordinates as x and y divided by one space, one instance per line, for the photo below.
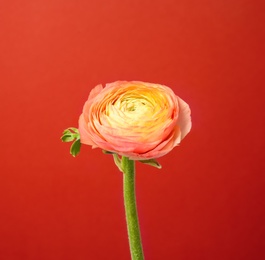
184 118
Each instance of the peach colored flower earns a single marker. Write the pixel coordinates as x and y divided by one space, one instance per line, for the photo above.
135 119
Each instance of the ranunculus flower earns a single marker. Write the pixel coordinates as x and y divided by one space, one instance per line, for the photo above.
135 119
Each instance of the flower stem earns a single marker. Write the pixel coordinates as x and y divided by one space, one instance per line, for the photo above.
128 167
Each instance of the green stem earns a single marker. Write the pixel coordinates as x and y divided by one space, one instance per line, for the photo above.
131 209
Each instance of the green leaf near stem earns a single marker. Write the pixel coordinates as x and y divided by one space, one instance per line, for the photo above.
71 130
68 138
75 147
72 134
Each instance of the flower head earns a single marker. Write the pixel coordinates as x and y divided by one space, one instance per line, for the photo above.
135 119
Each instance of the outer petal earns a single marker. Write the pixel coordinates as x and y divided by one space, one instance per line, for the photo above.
160 150
85 137
184 118
95 91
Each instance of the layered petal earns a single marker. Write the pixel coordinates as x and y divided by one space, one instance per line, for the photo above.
134 119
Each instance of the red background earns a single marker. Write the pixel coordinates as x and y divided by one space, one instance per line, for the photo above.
207 202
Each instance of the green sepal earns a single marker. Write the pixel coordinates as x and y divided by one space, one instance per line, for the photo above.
116 158
107 152
152 162
117 161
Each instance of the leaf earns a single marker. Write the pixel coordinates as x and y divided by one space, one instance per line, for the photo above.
72 134
70 130
68 138
66 131
75 147
73 129
152 162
